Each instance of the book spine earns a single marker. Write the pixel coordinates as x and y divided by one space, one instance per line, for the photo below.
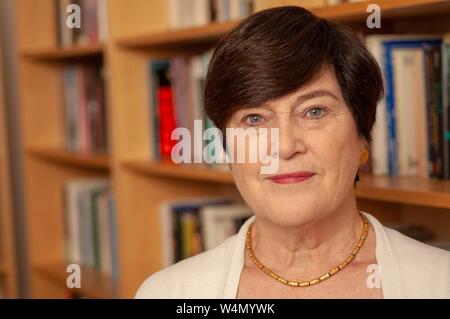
391 117
437 93
445 107
112 210
167 120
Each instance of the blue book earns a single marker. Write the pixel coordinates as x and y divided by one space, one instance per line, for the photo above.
388 46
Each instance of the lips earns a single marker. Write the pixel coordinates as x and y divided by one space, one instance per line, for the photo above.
295 177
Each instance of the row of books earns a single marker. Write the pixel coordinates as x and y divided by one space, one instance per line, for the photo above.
84 108
90 225
411 136
81 22
195 13
176 87
191 226
194 225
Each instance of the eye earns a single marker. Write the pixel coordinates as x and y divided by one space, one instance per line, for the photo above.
253 119
316 112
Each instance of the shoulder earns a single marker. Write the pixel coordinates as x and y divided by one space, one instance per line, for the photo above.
195 277
418 257
415 251
418 269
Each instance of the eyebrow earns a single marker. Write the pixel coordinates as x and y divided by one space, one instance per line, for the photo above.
313 94
298 100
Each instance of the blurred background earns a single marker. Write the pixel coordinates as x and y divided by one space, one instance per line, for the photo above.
90 91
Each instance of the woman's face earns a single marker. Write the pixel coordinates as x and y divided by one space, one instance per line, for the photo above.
317 134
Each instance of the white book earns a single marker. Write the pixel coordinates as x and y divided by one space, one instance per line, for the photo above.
410 108
174 14
234 9
219 222
246 8
223 10
200 14
185 13
65 32
102 20
74 190
379 148
196 99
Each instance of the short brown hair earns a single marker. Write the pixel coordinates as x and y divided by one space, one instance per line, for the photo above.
274 52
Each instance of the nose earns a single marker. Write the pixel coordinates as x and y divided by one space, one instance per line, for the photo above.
291 138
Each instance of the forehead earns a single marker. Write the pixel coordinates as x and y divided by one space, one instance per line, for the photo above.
324 84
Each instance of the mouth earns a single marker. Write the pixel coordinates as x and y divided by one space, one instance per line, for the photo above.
290 178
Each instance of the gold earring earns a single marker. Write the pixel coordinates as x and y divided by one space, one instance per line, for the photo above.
363 156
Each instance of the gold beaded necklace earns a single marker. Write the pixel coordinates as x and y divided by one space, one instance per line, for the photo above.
332 272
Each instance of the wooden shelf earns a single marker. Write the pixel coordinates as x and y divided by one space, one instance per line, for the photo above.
2 269
179 38
97 161
357 11
346 12
94 284
405 190
185 171
64 53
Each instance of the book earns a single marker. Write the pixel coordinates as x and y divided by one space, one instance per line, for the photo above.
409 132
410 101
182 228
90 225
390 93
92 17
157 67
222 221
197 13
176 90
446 104
84 106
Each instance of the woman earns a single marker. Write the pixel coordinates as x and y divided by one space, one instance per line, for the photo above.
313 80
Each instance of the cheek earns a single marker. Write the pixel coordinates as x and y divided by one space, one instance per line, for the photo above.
247 183
340 148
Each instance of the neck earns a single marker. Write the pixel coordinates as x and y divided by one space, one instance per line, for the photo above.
308 248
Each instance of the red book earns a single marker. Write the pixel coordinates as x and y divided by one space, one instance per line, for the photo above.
166 121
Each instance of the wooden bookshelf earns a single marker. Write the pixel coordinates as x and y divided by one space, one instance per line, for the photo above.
403 190
96 161
346 12
139 30
199 35
187 172
65 53
8 271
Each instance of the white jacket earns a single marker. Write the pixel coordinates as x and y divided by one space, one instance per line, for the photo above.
408 269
